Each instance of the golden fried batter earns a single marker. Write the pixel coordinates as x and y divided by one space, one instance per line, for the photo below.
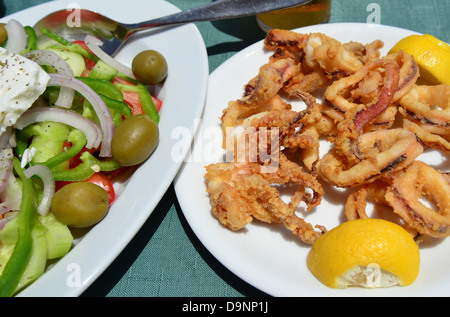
378 119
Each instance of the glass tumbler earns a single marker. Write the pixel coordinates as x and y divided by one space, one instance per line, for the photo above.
313 12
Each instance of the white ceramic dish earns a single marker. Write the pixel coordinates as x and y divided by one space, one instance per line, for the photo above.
183 95
267 256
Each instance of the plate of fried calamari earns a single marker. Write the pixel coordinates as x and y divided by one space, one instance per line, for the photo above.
308 129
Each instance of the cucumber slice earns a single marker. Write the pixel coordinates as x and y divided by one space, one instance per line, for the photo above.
59 238
101 70
75 60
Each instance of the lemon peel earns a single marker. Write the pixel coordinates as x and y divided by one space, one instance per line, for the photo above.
431 55
368 253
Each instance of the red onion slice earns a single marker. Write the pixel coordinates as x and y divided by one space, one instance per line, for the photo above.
91 130
17 37
97 103
6 156
5 138
8 217
45 57
94 44
44 173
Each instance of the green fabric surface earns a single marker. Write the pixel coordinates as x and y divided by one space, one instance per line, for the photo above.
420 16
165 258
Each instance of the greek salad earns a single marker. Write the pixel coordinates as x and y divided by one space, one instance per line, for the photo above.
72 120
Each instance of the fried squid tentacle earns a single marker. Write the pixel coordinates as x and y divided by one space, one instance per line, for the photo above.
240 192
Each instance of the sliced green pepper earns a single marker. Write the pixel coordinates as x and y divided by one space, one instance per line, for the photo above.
22 251
68 45
117 108
32 39
55 37
78 140
75 136
145 98
111 95
22 137
86 168
103 87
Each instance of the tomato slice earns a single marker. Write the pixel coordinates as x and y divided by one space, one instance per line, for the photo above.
157 102
132 100
74 161
97 178
83 45
101 180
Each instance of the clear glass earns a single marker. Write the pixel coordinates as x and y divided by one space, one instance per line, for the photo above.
314 12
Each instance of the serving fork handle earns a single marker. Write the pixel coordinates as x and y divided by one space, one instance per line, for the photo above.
217 10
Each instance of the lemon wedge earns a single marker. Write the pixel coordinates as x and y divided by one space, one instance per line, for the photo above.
431 55
368 253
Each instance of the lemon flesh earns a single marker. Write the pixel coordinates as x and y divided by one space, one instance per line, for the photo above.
367 276
369 253
431 55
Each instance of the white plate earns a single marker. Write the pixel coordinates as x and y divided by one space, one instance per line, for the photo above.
183 96
267 256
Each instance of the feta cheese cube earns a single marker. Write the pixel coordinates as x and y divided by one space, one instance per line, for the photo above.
22 81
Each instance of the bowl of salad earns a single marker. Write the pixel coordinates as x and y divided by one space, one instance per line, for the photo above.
86 150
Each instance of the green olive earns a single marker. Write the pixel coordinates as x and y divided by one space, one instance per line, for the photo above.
80 204
3 33
134 140
149 67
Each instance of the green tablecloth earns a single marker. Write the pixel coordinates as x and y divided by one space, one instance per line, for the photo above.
165 258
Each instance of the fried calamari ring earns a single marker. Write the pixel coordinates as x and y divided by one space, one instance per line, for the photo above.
359 115
355 207
330 55
447 176
428 139
384 121
379 153
269 81
385 97
261 92
285 44
405 195
365 86
321 59
340 103
428 105
409 72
